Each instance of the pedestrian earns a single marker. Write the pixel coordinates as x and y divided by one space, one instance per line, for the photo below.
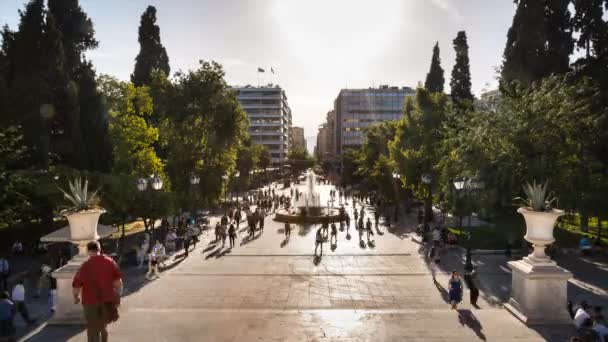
325 227
368 229
471 282
18 297
7 314
5 269
237 218
261 218
455 290
334 234
287 230
187 242
232 235
217 232
98 286
142 250
435 264
52 293
224 234
156 255
319 240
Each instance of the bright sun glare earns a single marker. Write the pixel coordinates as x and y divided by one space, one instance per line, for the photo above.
326 31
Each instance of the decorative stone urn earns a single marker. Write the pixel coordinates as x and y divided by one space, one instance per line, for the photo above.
539 230
83 224
539 287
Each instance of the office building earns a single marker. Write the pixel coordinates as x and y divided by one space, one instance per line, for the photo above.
297 137
357 109
269 118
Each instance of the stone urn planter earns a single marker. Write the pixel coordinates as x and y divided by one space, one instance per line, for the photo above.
83 224
539 229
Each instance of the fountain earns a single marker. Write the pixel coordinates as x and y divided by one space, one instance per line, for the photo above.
308 209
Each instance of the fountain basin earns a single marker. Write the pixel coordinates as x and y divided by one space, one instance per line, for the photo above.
313 215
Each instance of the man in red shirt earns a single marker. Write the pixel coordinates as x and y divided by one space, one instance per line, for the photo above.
99 282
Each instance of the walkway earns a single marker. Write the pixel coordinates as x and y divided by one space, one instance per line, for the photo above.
270 289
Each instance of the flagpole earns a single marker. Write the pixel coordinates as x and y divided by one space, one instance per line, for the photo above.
258 73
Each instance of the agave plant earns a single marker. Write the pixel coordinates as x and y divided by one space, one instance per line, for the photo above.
537 198
79 196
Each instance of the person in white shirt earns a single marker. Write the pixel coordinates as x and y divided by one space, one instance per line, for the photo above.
581 315
17 248
156 256
18 297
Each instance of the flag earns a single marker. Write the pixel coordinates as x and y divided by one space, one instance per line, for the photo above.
260 69
271 70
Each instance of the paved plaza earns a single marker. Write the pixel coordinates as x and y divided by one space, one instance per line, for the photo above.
270 289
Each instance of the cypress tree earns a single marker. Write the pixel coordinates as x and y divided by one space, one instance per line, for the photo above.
589 24
559 37
539 42
523 58
76 29
434 78
86 117
152 55
26 83
460 83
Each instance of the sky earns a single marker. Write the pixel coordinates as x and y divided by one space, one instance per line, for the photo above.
316 47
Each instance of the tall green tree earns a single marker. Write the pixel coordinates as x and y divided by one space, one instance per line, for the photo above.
132 138
434 78
416 149
152 55
460 83
539 42
203 131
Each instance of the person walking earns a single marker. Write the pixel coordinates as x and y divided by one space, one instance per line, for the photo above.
319 240
237 218
187 239
232 235
7 315
98 286
52 293
5 269
287 230
18 297
368 229
261 218
455 290
224 234
334 234
471 282
154 258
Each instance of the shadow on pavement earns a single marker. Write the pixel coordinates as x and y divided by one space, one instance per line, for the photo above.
444 294
466 317
304 229
284 242
46 333
317 259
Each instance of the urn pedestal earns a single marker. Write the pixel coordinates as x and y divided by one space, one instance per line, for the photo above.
66 312
538 285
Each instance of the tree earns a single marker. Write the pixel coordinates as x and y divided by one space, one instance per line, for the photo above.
299 159
133 139
588 22
152 55
76 29
262 157
416 148
460 83
203 130
434 78
13 201
374 162
539 42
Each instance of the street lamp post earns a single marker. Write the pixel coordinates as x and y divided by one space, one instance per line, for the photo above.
468 185
194 181
427 179
155 183
396 177
225 179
